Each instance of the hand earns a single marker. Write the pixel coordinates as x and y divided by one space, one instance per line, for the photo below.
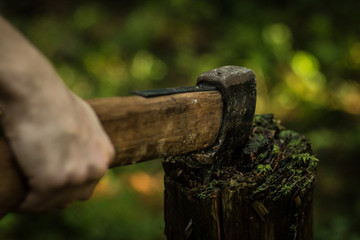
55 136
60 147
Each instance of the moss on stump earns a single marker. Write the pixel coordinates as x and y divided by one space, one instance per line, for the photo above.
266 192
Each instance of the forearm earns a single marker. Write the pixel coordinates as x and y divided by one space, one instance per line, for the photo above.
25 74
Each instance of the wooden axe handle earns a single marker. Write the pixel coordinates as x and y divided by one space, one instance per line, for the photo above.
140 129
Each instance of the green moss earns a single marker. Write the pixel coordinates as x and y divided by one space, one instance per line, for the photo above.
276 149
290 159
263 169
258 142
276 162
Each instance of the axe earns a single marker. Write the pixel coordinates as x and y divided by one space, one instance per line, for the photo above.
214 116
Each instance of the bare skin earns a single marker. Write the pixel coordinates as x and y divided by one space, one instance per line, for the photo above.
56 137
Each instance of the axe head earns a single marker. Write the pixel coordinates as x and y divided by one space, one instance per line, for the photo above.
238 87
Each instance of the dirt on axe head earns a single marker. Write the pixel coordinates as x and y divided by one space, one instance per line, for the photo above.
238 87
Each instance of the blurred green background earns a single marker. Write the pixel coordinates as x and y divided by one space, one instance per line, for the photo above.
306 55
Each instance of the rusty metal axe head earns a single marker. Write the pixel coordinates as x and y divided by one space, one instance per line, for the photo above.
238 87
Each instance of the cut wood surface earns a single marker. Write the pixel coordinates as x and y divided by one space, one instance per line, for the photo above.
140 129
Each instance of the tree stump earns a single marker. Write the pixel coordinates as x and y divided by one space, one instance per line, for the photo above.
266 194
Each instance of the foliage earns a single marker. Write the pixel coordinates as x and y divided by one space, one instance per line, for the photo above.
262 169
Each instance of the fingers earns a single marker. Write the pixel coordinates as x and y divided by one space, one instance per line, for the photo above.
41 201
62 151
71 180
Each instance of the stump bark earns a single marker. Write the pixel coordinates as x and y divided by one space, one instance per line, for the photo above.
264 193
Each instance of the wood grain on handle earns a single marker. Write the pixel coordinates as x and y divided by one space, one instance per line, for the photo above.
140 129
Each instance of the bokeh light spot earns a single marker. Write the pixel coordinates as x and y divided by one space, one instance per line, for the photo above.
142 64
145 183
305 64
277 34
287 100
355 54
86 16
146 66
348 95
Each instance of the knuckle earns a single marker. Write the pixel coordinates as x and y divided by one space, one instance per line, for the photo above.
96 170
111 153
108 151
48 183
88 172
76 177
61 180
